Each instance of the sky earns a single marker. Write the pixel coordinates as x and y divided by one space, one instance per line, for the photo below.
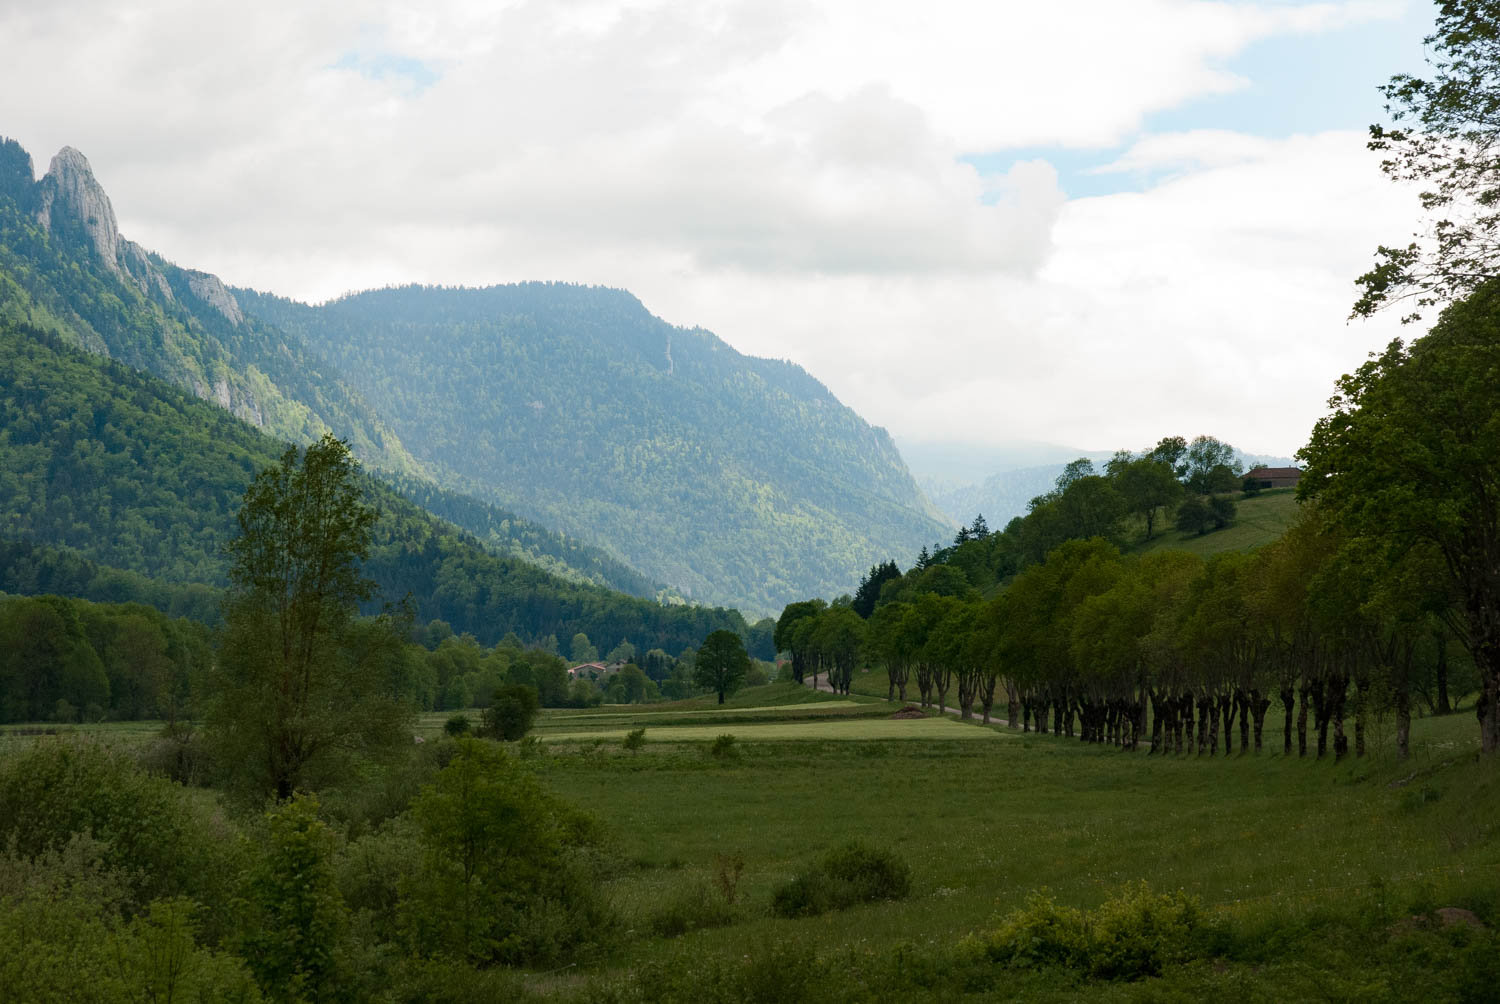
1091 222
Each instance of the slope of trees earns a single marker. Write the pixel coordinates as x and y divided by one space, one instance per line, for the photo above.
128 472
732 478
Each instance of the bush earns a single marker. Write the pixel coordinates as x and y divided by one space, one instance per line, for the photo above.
849 874
723 747
691 905
1133 934
635 739
457 725
148 828
511 712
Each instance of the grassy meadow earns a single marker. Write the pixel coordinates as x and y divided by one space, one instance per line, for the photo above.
1264 842
1308 873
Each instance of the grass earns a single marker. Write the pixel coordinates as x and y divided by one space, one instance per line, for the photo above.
1261 839
1258 520
1295 852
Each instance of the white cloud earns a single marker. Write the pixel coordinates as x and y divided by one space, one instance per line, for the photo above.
787 174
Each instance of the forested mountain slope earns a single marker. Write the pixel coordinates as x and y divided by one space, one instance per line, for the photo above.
736 479
65 268
131 472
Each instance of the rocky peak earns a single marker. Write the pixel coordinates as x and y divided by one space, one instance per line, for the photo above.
212 291
71 195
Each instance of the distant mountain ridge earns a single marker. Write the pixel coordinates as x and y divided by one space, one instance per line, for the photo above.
66 269
701 472
737 479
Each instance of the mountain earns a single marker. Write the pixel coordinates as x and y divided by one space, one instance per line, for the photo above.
722 478
119 469
65 268
735 479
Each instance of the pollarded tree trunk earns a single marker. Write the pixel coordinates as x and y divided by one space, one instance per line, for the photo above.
1259 705
987 695
1288 704
1213 729
1403 723
1243 699
1011 704
1157 725
1226 711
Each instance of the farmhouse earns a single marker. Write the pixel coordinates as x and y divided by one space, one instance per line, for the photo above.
1275 477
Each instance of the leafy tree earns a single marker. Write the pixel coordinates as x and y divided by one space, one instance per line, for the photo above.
293 698
297 917
787 637
1170 451
1443 136
499 883
1194 516
1147 485
511 712
582 650
1410 455
722 663
1208 466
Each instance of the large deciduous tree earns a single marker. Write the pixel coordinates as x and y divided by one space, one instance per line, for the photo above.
299 690
1444 135
722 664
1410 458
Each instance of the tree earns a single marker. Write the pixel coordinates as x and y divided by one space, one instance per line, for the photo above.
582 650
1209 466
1409 457
511 712
1443 136
297 694
868 592
722 663
1147 485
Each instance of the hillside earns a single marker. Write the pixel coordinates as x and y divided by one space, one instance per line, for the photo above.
127 471
1259 519
738 480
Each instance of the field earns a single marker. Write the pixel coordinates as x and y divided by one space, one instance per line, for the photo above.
1260 840
1309 873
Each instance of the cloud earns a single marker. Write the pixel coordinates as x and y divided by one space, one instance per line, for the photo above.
797 177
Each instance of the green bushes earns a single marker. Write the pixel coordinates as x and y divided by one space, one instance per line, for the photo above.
1132 934
147 828
850 874
511 712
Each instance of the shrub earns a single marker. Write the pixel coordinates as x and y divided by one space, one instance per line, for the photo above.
147 827
1131 935
849 874
723 747
457 725
691 905
635 739
511 712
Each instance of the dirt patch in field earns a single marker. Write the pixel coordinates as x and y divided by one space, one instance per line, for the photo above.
910 711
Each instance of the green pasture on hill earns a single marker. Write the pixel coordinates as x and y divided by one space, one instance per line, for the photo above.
1259 519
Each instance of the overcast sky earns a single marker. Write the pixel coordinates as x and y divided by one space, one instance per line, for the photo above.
1094 222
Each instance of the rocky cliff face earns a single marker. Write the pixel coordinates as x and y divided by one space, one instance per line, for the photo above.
70 198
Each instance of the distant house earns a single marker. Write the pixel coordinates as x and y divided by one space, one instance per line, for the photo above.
595 670
1275 477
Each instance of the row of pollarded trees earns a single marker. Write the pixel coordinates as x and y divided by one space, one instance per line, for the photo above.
1167 648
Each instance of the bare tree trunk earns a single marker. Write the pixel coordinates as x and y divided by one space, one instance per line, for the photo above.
1010 704
1288 703
1403 723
